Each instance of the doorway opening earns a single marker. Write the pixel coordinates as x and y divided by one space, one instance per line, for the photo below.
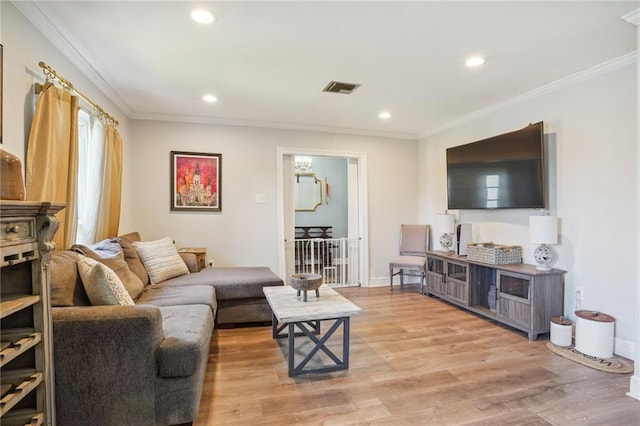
322 215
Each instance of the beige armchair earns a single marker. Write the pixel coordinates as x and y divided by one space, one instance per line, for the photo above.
414 243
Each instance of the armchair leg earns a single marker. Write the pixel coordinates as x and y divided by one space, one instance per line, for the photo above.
391 278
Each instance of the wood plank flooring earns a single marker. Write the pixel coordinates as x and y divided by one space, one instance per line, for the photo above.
414 360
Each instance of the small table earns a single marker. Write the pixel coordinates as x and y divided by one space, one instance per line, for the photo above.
199 252
289 311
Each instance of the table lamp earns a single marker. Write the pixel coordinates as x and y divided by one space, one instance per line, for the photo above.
543 230
446 225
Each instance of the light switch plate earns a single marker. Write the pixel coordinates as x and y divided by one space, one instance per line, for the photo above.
261 198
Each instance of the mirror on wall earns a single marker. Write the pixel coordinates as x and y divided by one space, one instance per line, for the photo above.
308 192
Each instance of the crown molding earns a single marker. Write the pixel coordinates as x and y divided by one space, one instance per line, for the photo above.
603 68
633 17
39 19
271 125
34 14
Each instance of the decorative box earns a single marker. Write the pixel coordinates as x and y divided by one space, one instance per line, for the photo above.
494 254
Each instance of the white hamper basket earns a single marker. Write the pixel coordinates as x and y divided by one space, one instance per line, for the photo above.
594 333
561 332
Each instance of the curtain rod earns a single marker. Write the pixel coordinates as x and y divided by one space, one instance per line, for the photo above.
50 73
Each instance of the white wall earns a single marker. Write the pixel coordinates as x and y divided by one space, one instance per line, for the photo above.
590 128
245 233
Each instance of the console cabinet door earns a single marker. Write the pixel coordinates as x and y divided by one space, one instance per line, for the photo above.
514 298
436 282
458 282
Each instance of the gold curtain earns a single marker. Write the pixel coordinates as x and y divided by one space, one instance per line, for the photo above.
109 207
52 158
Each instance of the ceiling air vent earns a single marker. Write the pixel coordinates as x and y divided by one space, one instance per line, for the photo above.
338 87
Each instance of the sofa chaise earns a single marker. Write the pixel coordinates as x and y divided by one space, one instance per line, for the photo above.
141 360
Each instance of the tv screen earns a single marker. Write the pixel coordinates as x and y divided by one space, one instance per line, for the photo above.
502 172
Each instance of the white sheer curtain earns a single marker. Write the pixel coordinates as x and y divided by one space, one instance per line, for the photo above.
90 172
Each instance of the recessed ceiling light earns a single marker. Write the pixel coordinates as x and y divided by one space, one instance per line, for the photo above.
474 61
209 98
202 16
384 115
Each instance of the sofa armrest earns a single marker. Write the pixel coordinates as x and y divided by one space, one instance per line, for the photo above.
105 363
191 261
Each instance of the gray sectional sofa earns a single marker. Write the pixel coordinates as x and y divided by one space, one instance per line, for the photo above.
142 364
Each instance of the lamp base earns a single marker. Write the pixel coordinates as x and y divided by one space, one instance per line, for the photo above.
545 257
446 241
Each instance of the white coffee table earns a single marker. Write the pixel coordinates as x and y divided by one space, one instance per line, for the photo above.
291 312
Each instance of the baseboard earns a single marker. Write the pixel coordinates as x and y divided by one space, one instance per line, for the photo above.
378 282
384 281
634 387
624 348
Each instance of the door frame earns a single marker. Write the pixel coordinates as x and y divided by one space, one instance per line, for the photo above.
362 214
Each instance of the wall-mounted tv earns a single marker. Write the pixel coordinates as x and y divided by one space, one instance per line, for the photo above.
502 172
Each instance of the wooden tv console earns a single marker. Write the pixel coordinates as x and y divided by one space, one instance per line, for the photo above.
526 299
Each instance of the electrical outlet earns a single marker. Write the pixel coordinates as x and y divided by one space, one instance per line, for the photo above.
579 293
210 263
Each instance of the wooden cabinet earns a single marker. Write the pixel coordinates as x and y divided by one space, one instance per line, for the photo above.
26 361
517 295
529 302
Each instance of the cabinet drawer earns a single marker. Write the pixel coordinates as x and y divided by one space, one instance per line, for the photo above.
17 231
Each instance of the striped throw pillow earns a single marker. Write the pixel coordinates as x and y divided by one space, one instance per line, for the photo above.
161 259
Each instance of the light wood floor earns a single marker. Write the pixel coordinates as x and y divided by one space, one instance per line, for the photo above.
414 361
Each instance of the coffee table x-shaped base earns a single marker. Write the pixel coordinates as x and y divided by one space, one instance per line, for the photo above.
311 330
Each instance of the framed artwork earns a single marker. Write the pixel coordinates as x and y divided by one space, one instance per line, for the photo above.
195 181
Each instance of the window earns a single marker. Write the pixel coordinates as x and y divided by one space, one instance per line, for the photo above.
90 153
493 184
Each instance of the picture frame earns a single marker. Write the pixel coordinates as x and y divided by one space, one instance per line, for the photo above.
196 181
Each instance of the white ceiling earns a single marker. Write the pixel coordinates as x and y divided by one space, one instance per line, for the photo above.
267 62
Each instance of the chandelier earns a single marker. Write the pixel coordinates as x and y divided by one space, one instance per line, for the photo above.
302 164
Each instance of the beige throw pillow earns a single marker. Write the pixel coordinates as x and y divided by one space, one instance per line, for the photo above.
161 259
114 259
102 284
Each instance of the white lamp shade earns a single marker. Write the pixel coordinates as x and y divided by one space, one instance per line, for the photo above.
446 223
543 229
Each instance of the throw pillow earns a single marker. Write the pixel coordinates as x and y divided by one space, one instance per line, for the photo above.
161 259
111 255
102 284
131 256
66 284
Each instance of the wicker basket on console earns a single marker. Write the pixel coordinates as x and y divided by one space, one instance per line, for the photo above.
494 254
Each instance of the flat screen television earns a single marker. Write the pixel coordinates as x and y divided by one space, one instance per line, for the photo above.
502 172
